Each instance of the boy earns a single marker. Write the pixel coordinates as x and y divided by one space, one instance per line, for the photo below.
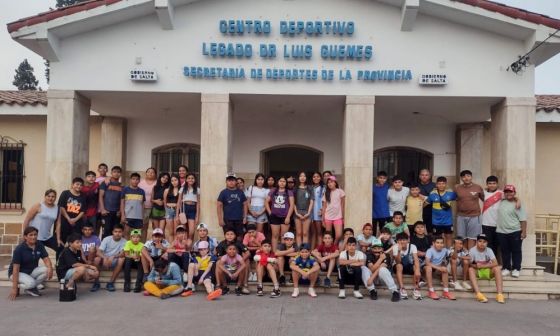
110 200
346 233
489 217
231 267
387 240
436 261
378 267
71 265
72 207
421 240
102 170
90 191
202 230
200 272
397 225
285 251
132 252
304 269
460 262
153 250
442 214
132 205
266 261
350 265
381 214
406 261
484 266
232 207
366 239
414 205
397 195
90 244
326 254
253 239
469 196
230 238
164 280
111 254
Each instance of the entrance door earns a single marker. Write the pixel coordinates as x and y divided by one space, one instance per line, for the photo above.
289 160
403 161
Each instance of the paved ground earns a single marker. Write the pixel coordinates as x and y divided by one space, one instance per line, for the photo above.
125 314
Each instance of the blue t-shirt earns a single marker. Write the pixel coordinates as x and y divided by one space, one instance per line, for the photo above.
380 203
437 258
27 258
304 264
233 203
441 216
112 197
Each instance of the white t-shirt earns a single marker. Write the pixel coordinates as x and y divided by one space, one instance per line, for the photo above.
358 255
397 200
412 247
490 214
257 195
189 196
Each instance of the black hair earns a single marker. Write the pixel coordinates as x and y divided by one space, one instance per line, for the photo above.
321 177
441 179
419 223
382 173
385 230
152 168
50 191
77 180
328 191
347 230
118 226
306 184
102 165
161 264
328 233
465 172
29 229
436 237
87 224
240 179
73 237
492 178
459 238
402 236
257 176
90 172
351 240
266 181
251 227
166 185
266 241
194 186
135 175
183 166
180 228
277 189
326 172
397 178
117 168
398 213
414 185
170 187
230 229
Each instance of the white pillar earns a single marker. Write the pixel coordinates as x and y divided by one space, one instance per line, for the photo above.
67 150
513 158
215 159
113 142
470 144
358 159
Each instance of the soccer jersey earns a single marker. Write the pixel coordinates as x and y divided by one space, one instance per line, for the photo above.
442 215
304 264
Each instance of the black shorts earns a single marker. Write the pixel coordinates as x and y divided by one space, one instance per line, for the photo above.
439 230
235 225
408 269
208 275
275 220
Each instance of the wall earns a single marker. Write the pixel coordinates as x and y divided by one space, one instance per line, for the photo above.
547 166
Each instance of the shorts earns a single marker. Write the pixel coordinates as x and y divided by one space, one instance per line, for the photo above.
260 219
197 277
334 221
113 262
235 225
287 267
190 211
146 214
439 230
468 227
275 220
408 269
301 212
484 274
157 213
170 213
69 274
134 223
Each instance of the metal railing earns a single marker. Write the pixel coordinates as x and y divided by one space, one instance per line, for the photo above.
548 237
11 173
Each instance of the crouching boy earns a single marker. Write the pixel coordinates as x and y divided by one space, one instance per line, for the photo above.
164 280
378 268
72 266
304 269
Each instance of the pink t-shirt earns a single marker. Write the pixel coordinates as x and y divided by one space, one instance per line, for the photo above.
259 238
148 189
333 211
232 264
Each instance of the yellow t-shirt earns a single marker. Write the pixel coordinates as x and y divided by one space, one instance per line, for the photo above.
414 207
204 262
133 249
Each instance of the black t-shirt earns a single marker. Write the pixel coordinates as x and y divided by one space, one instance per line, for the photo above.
158 195
222 247
422 244
73 205
372 259
67 259
27 258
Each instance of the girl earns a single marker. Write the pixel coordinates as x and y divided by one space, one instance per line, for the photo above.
170 198
333 208
147 184
280 207
304 205
317 227
190 200
326 175
183 171
43 216
158 207
270 182
256 196
240 184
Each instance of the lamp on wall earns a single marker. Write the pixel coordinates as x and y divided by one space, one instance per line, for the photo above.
523 61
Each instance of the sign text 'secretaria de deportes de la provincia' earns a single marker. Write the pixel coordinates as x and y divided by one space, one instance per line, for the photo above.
300 52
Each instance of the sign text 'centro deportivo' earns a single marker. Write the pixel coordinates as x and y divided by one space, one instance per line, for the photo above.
340 52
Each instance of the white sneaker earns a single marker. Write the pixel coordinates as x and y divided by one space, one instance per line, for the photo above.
342 294
404 294
515 273
422 283
457 286
416 294
505 272
40 286
254 276
295 294
358 295
467 285
311 292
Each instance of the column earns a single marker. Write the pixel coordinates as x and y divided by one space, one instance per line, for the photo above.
67 150
513 158
470 144
113 142
215 160
357 150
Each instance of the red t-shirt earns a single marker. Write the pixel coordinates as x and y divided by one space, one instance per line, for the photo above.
326 250
91 195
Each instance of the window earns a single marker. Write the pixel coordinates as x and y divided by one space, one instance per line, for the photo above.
168 158
289 160
403 161
11 173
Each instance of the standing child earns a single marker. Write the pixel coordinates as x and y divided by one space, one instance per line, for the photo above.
72 207
158 205
132 252
279 206
110 200
326 254
190 200
232 207
377 264
90 192
381 214
153 250
489 217
485 266
366 239
442 213
266 261
201 273
132 205
305 270
303 199
102 169
436 261
317 226
406 261
231 267
333 208
350 263
397 195
285 251
414 205
164 280
170 199
256 198
397 225
460 261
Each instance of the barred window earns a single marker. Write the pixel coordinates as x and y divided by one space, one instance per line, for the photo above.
168 158
403 161
11 173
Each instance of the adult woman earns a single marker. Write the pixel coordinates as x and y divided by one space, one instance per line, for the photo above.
43 216
189 199
280 207
303 199
147 184
256 196
170 199
158 208
24 270
183 171
317 227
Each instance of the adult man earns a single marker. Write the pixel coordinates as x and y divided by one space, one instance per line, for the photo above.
511 230
426 186
468 208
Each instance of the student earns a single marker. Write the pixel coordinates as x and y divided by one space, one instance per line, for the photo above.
110 200
43 217
387 240
285 251
232 207
179 250
333 208
202 230
326 254
164 280
350 262
102 169
158 205
132 205
229 237
72 207
436 261
414 205
183 171
426 186
253 239
132 253
397 225
170 201
326 175
511 231
366 239
396 196
231 267
90 244
469 196
347 233
201 272
240 183
405 261
484 266
189 198
147 184
90 192
256 198
442 213
460 261
377 264
111 254
421 240
380 214
71 265
24 271
153 250
279 206
489 217
270 183
266 261
303 200
317 226
305 269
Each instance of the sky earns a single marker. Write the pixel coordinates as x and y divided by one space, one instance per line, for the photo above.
12 53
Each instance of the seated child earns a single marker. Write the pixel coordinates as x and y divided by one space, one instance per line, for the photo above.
200 272
326 255
387 240
350 263
423 242
231 267
90 244
111 254
485 266
377 264
266 261
405 261
153 250
179 250
252 239
346 233
460 261
304 269
285 252
366 238
436 261
132 251
397 225
164 280
71 265
221 250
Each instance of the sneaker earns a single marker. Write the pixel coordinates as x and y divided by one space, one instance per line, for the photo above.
457 286
95 287
404 294
432 295
145 278
126 287
33 292
146 293
110 287
515 273
467 285
275 293
395 297
373 294
421 283
238 291
342 294
358 295
500 298
164 296
40 286
260 291
327 283
451 283
295 294
311 292
505 272
448 296
253 277
481 298
187 293
416 294
214 295
245 291
282 280
225 290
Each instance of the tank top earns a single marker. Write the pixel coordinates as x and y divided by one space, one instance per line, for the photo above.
172 198
44 221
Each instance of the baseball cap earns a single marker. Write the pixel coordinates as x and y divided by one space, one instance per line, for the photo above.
231 176
288 235
157 231
135 232
202 226
377 243
482 236
202 245
509 187
180 228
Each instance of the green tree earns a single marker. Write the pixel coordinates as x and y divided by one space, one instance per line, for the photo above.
24 78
